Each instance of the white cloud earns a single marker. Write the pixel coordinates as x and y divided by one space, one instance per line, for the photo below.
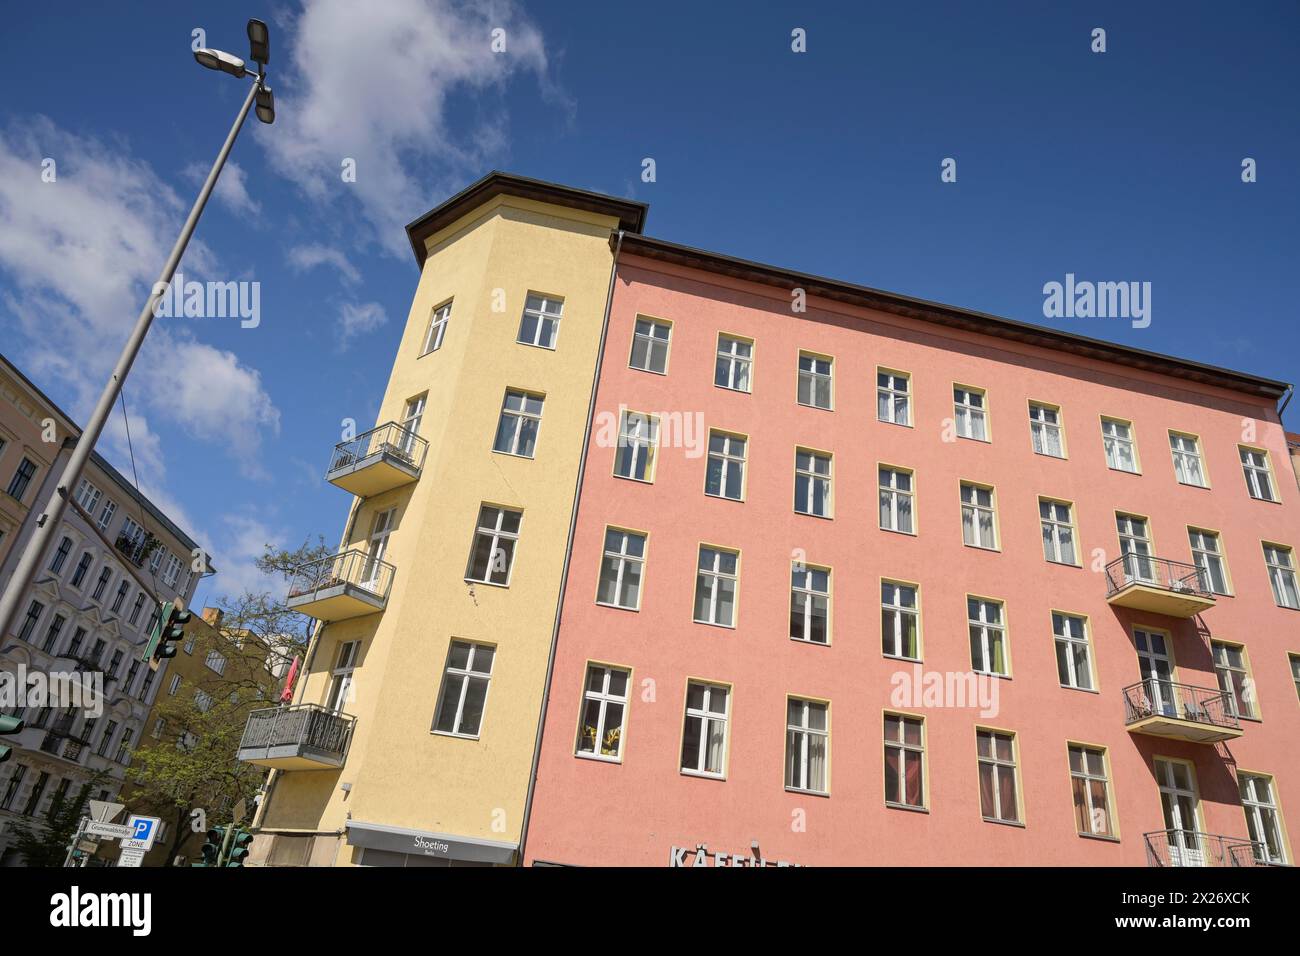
358 318
370 82
231 189
307 257
81 253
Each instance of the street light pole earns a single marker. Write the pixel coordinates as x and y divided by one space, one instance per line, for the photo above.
48 520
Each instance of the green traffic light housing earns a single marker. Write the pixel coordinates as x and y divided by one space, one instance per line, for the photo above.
172 618
239 847
8 726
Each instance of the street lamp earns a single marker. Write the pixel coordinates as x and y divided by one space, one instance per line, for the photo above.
46 522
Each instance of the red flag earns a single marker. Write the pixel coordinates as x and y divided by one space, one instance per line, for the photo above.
286 695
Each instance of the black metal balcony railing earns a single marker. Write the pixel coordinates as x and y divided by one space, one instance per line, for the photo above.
136 548
1191 848
1162 698
389 439
1156 572
355 568
303 733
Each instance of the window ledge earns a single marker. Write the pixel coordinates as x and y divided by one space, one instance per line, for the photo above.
808 793
904 806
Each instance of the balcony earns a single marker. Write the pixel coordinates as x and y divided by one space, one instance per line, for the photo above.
344 585
136 548
301 737
1162 708
379 460
1190 848
1158 585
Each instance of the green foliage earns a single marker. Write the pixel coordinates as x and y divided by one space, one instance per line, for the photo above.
46 843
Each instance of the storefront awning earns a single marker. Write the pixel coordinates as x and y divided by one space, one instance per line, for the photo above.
379 836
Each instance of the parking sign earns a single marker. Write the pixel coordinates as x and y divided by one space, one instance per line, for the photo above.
146 831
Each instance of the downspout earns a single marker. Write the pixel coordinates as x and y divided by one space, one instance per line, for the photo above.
1286 400
568 553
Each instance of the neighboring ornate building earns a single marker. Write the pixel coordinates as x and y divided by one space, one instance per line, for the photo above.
89 609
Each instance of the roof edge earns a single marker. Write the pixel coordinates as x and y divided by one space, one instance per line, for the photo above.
629 213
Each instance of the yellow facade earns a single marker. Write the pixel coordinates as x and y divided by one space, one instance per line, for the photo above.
398 773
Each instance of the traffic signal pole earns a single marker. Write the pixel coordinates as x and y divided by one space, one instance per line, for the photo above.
47 521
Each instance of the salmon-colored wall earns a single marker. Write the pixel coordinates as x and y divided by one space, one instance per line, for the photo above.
591 812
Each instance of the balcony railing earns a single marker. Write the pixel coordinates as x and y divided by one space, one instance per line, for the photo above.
1191 848
301 737
1163 708
376 461
135 548
1159 585
344 585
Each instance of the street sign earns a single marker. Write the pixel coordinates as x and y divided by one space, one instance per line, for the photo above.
144 832
102 811
240 809
116 831
87 846
131 858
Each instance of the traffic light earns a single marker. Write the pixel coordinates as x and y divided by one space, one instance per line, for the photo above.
212 847
8 725
239 845
172 618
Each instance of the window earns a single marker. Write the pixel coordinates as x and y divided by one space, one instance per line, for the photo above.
810 600
732 367
1234 678
814 380
1179 803
541 322
1135 547
1073 654
715 587
492 555
1117 439
900 620
155 555
812 483
988 636
120 597
1295 672
115 664
1188 468
174 686
893 397
52 633
110 730
1058 531
21 479
61 555
978 528
345 663
464 689
807 745
521 417
904 761
134 533
1259 477
1281 574
1205 552
412 416
74 646
15 783
87 496
188 646
650 346
604 710
437 328
704 737
38 791
620 569
83 565
896 499
1090 785
136 608
215 662
725 475
969 412
1045 430
105 573
1263 821
203 701
172 571
998 791
34 611
106 516
638 442
124 746
146 684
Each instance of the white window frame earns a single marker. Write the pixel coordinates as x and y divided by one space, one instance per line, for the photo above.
891 496
803 733
1116 438
1001 766
817 379
496 534
1280 561
1189 465
970 417
892 614
972 533
623 559
638 447
892 388
805 595
645 332
1089 776
603 698
1208 556
463 676
1058 532
1263 816
986 624
342 676
807 466
437 331
1257 469
710 578
707 719
729 460
916 751
1073 651
1044 429
541 315
517 417
738 367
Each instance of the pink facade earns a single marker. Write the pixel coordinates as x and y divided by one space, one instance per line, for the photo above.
635 809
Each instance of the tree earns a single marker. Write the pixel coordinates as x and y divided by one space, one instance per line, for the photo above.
46 844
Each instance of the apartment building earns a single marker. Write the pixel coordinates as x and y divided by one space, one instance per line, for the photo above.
814 574
885 582
439 608
87 611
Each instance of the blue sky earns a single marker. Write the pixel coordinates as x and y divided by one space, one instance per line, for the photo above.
1120 166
